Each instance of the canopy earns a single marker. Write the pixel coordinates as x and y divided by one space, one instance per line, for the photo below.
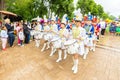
8 13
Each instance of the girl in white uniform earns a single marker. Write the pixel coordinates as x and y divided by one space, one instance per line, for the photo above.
47 35
79 34
89 39
37 35
54 32
63 33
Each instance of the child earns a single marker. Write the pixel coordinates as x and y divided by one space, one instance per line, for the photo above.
21 36
19 26
4 37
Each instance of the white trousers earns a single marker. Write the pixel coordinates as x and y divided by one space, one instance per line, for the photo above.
4 42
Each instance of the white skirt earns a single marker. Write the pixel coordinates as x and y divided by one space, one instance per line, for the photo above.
88 42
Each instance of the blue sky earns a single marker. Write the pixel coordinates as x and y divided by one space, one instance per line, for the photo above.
111 6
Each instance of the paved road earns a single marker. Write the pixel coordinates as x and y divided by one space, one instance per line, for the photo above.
28 63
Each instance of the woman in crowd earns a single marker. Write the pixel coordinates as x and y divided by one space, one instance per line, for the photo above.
26 31
10 30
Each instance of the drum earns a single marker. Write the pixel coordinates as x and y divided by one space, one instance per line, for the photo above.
69 42
72 46
47 36
38 35
55 39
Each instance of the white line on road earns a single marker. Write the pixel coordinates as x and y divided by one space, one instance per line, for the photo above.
108 48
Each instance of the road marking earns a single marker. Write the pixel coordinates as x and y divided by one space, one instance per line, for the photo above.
108 48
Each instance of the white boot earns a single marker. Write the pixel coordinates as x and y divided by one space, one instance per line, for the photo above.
43 47
48 45
65 54
91 49
59 56
76 66
84 56
73 65
38 43
86 52
53 50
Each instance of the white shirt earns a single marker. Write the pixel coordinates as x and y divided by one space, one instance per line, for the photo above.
38 27
82 33
46 28
102 25
54 28
21 35
3 34
64 32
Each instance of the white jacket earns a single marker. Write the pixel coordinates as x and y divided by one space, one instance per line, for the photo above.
3 34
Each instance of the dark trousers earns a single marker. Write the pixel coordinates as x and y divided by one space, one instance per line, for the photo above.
102 31
11 39
27 38
21 42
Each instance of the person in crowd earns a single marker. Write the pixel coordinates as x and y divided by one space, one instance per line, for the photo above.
26 31
103 26
19 26
21 36
10 29
4 37
113 28
33 28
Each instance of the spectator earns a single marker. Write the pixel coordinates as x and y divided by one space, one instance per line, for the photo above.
4 37
26 31
10 30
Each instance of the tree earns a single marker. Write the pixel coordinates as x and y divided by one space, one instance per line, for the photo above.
90 6
29 9
61 7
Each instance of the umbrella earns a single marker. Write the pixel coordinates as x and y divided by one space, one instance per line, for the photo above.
8 13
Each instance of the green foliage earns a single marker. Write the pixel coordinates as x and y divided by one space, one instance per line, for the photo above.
29 9
90 6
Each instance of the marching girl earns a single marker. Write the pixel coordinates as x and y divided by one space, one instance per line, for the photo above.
53 26
90 36
4 37
46 35
37 36
63 33
79 34
54 32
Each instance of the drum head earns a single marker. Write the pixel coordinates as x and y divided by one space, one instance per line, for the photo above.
55 39
69 42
